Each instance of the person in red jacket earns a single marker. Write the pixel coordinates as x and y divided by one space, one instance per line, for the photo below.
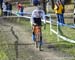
19 6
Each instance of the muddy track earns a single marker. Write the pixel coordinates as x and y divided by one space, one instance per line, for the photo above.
24 47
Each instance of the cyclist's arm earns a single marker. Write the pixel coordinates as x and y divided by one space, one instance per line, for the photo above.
43 17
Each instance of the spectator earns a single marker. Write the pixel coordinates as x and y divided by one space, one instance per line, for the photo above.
56 7
6 3
58 10
4 8
22 10
1 1
9 8
62 15
19 7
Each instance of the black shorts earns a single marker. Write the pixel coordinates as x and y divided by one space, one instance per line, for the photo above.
37 21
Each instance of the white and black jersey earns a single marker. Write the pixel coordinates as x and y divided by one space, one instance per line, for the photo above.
37 15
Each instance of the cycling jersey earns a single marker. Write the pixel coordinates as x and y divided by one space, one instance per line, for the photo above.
37 15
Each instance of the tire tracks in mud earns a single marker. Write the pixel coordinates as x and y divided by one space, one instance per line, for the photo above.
16 42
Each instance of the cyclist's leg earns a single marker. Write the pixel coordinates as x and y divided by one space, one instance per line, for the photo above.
37 35
33 33
37 40
40 42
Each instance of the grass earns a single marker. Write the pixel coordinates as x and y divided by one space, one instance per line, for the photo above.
5 49
62 45
3 56
0 12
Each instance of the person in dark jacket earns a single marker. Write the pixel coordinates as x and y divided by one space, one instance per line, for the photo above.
4 8
1 1
9 8
22 10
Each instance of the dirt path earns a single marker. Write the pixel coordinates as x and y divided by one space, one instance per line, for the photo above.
47 54
26 47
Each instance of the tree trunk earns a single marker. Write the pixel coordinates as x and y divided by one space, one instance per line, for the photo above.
43 4
52 4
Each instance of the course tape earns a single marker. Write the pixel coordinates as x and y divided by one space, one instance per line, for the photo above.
64 38
70 26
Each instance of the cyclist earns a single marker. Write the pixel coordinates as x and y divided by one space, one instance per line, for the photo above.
36 17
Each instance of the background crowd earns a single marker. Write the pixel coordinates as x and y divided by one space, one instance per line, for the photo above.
6 8
59 10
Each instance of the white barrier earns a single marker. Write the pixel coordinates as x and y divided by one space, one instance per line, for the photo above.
57 33
51 30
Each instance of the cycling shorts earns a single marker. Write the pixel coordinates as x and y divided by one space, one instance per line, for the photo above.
37 21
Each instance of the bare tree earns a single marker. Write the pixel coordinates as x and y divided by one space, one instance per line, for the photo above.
43 4
52 4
